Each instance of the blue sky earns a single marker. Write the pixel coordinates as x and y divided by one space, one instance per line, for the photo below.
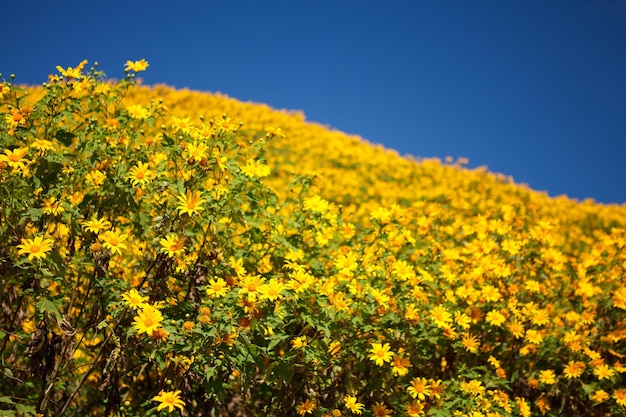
532 89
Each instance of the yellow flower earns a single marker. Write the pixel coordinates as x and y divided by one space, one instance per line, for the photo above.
473 387
95 177
28 325
52 206
102 88
619 395
547 377
533 336
412 312
490 293
196 150
216 288
147 320
96 225
380 410
172 245
77 198
436 389
5 90
237 265
380 353
113 240
271 291
495 318
169 400
140 174
334 348
15 118
516 328
255 169
600 396
306 407
415 409
524 408
274 131
133 299
220 160
316 203
462 320
403 270
136 66
73 72
493 361
250 285
15 158
182 125
440 316
347 263
470 343
353 405
603 371
382 215
540 317
35 248
619 298
299 342
419 388
400 365
190 203
137 111
227 124
573 369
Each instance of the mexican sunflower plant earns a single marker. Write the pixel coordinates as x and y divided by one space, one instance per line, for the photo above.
170 252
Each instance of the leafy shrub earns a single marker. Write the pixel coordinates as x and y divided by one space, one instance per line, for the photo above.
157 261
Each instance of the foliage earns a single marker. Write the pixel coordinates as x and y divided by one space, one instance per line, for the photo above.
167 251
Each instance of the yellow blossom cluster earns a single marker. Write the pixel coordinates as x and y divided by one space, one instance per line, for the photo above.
209 257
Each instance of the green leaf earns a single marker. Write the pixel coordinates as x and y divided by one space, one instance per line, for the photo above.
6 400
47 306
26 409
33 214
275 341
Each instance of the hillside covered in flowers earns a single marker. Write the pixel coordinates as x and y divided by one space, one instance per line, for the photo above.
171 252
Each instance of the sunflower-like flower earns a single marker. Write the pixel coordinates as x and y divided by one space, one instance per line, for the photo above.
140 174
190 203
136 66
35 248
169 400
148 319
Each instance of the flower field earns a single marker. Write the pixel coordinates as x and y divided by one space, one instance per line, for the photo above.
171 252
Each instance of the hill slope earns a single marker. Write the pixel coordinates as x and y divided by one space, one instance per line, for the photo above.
183 250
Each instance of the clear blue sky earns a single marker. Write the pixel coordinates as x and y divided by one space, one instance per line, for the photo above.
534 89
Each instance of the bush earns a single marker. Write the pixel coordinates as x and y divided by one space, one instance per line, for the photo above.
154 262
